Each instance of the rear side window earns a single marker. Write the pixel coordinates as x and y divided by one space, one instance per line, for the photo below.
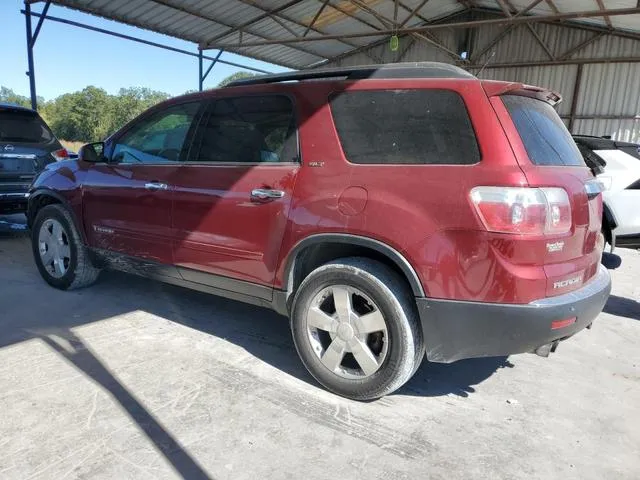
546 139
23 127
405 127
255 129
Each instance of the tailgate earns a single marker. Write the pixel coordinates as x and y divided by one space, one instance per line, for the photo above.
549 157
18 165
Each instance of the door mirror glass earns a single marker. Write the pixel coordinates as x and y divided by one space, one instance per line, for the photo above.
92 152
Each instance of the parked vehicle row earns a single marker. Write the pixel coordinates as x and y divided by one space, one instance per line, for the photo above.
27 145
617 166
389 211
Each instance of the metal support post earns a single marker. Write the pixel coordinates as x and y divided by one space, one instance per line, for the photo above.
200 78
574 100
30 72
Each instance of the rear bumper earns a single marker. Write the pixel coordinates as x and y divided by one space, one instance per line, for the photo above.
13 202
454 330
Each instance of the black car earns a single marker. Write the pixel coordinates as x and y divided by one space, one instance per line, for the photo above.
27 145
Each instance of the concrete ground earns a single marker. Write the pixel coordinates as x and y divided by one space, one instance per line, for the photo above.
134 379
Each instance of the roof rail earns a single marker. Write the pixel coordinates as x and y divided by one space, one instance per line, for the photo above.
391 70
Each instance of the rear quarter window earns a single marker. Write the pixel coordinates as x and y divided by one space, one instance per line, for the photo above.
545 138
404 127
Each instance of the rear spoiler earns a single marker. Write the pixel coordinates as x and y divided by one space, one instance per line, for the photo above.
493 88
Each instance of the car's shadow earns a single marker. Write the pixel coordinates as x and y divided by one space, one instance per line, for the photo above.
261 332
267 335
40 312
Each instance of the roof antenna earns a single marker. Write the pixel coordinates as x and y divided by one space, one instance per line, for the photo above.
493 54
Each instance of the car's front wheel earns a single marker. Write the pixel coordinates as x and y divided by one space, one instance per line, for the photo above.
59 253
356 328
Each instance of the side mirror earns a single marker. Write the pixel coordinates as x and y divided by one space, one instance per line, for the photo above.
92 152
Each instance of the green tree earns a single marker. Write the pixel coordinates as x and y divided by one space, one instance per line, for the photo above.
237 76
90 114
131 102
9 96
81 116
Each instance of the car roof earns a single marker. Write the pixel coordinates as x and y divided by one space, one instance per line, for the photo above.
405 70
14 106
362 72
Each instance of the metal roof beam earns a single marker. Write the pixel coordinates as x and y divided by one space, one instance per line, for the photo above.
411 41
573 50
283 25
315 17
39 26
287 18
415 12
346 13
139 40
550 63
265 14
365 8
553 7
606 17
436 43
505 31
426 36
436 26
507 7
198 14
363 48
580 26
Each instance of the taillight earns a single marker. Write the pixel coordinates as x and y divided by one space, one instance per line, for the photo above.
523 210
61 154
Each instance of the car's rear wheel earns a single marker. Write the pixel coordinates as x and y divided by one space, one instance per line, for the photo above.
60 255
356 328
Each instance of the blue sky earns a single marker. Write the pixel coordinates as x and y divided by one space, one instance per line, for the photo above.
68 58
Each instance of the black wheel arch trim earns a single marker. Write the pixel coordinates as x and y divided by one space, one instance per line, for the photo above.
381 247
63 201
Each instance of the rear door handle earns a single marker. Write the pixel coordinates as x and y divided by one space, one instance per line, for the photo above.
156 186
265 194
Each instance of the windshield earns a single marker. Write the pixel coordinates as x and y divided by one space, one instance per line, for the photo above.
546 139
23 127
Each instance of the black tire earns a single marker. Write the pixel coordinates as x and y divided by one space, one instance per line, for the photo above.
80 271
395 301
606 231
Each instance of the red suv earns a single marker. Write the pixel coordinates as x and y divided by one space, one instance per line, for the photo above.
388 211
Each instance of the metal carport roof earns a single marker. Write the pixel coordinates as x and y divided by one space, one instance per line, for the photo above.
304 33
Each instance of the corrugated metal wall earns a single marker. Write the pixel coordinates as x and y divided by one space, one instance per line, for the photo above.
606 90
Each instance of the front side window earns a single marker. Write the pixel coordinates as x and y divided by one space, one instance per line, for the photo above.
429 126
545 138
255 129
160 138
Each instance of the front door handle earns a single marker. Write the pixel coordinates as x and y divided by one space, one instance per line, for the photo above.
265 194
156 186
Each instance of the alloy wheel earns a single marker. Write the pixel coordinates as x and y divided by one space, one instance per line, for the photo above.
54 248
347 332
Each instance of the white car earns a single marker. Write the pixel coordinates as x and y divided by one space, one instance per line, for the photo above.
617 166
